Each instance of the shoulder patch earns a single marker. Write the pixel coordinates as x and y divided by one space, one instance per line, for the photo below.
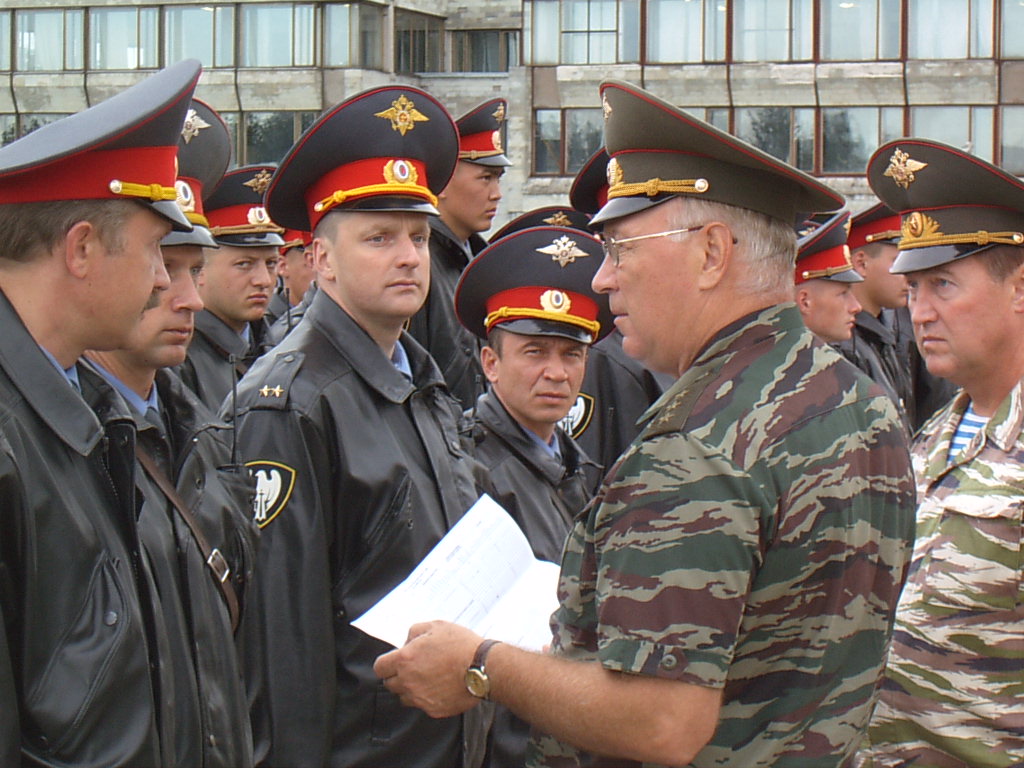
274 485
578 418
271 392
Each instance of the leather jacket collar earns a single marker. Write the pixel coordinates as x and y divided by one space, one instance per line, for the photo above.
223 338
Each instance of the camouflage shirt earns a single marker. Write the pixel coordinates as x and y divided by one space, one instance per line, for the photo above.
753 538
952 694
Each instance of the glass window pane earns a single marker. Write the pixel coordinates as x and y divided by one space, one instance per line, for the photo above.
981 28
950 125
714 39
74 39
31 122
937 29
266 36
8 129
891 123
674 31
303 36
5 43
547 141
40 40
575 15
113 33
231 120
1013 22
982 133
574 48
544 32
337 35
601 48
629 31
803 139
803 26
767 128
761 30
1012 140
889 27
849 136
583 133
268 136
188 34
149 30
719 117
371 40
848 29
224 32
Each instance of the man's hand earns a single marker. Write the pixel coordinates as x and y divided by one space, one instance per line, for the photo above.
429 671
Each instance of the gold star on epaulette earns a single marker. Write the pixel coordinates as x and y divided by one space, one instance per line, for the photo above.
268 391
902 168
193 125
563 250
558 219
499 113
403 115
259 182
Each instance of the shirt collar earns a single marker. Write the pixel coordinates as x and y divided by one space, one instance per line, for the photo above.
70 374
138 404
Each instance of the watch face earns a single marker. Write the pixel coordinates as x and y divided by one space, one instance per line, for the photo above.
477 683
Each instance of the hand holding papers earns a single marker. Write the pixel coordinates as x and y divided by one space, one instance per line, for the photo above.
482 575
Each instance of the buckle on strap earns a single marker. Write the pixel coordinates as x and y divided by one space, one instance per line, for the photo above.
219 565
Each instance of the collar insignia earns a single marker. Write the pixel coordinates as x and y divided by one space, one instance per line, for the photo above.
403 115
902 168
260 182
193 125
563 250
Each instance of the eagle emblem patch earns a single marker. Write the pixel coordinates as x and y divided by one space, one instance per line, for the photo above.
578 418
274 485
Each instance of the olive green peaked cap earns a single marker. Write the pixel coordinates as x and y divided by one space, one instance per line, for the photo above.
951 204
658 151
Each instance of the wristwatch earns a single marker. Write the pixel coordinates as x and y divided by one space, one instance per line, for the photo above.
477 682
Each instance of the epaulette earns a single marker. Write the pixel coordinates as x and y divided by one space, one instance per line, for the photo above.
272 390
675 413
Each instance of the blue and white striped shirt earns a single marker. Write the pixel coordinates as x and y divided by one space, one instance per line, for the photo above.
970 425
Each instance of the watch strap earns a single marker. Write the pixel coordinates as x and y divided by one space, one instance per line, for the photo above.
480 657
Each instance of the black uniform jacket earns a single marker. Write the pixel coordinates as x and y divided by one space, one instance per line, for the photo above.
872 348
194 451
359 472
79 666
218 357
284 324
616 392
435 326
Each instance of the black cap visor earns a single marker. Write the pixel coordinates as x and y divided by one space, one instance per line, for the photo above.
198 236
528 326
618 207
251 239
170 210
917 259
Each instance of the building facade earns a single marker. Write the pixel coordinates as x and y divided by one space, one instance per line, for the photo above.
819 83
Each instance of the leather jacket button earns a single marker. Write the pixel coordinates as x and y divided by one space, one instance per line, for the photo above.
110 618
212 740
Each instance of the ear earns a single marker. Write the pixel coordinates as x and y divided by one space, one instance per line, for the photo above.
719 250
321 248
489 362
1016 280
82 247
859 259
803 299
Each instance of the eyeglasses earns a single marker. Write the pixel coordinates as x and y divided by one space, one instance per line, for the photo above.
610 245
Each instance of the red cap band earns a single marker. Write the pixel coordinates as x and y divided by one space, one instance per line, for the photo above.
879 229
826 263
371 177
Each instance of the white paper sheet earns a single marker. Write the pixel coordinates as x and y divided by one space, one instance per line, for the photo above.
482 575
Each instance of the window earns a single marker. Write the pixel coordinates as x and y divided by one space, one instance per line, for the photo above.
484 50
419 41
8 129
49 40
685 30
5 41
269 135
565 139
353 35
949 29
860 30
772 30
276 35
123 38
967 128
783 132
1012 135
1012 44
29 123
583 31
199 32
849 135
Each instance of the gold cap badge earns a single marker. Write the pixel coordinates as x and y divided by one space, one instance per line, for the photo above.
902 168
260 182
563 250
403 115
193 125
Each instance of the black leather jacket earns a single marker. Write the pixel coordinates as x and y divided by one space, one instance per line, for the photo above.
80 681
359 473
435 326
218 357
872 348
616 391
211 709
288 319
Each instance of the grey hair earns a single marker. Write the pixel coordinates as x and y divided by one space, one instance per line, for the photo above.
765 245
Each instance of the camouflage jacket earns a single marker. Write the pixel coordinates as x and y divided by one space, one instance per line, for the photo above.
754 538
952 692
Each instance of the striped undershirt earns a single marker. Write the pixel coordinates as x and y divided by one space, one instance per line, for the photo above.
970 425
